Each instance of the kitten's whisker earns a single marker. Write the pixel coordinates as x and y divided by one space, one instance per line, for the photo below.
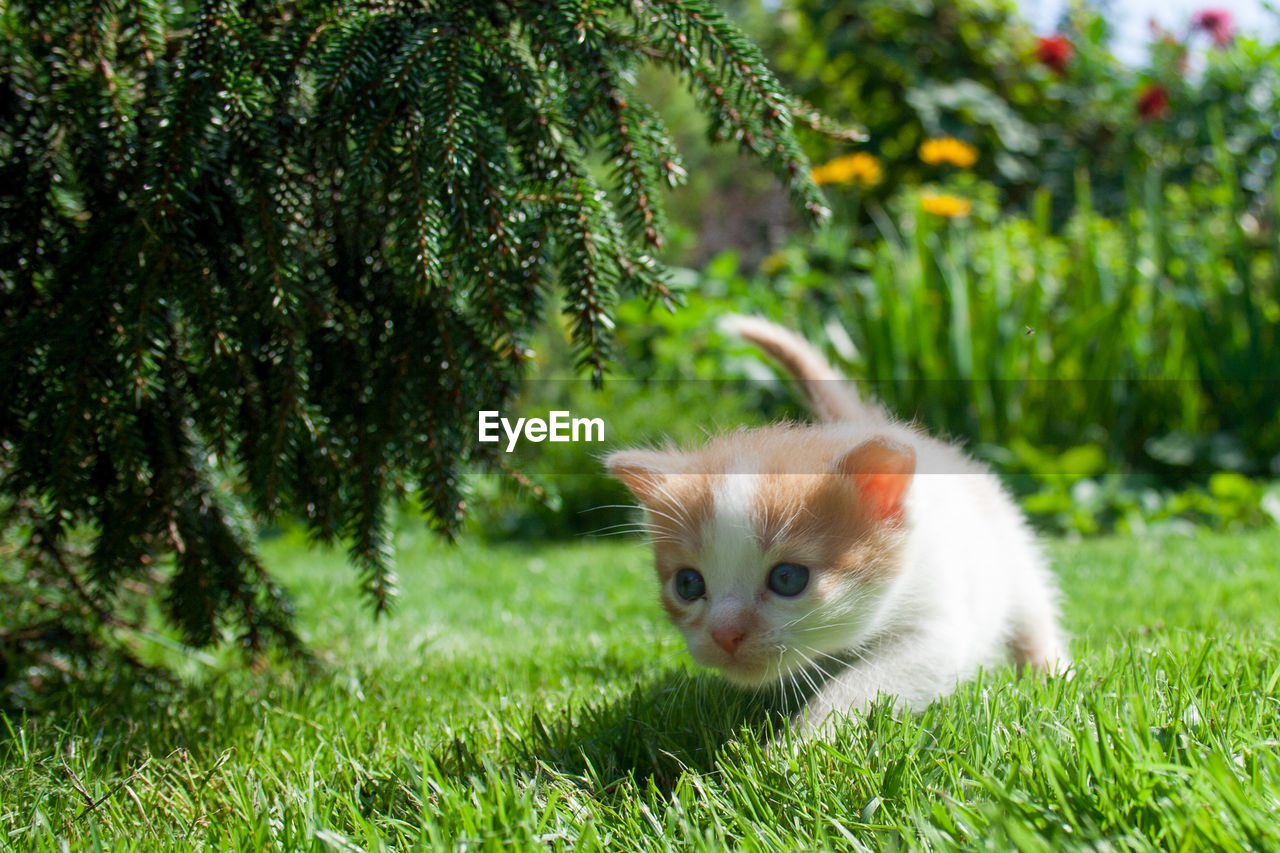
646 524
858 655
789 679
637 526
668 516
786 678
629 523
829 656
822 670
826 626
676 654
804 671
679 522
795 688
630 527
683 688
800 618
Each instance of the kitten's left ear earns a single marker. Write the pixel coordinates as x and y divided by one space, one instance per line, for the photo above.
882 469
641 471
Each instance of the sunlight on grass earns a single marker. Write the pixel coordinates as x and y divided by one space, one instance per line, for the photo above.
534 697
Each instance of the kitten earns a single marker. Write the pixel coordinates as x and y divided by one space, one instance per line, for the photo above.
858 555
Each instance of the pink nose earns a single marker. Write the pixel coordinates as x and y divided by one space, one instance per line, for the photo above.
728 638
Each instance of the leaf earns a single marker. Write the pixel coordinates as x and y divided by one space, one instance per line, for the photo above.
1232 486
1086 460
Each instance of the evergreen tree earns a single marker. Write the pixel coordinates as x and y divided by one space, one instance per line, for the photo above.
265 257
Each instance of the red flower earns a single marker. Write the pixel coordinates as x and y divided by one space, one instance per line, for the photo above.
1054 52
1153 102
1218 23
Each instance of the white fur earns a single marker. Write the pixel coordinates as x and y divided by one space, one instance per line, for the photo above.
968 584
973 583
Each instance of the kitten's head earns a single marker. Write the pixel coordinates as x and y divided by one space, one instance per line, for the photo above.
775 547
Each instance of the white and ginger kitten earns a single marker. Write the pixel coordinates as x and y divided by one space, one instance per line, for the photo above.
858 556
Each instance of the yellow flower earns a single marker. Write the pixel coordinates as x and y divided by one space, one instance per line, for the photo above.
860 167
948 150
773 263
949 206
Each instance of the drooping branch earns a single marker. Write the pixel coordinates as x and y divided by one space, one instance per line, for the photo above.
263 261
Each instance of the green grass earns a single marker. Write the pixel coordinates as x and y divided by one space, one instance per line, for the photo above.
533 697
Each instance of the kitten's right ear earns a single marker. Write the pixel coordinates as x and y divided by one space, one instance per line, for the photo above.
641 471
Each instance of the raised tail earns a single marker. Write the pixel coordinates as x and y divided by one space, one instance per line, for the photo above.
831 397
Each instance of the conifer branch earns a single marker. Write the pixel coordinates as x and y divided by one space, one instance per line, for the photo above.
266 259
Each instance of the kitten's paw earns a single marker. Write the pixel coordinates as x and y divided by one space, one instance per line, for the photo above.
1055 664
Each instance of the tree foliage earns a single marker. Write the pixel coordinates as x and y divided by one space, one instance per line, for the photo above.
264 257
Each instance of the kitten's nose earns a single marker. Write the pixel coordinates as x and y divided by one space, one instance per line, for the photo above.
728 637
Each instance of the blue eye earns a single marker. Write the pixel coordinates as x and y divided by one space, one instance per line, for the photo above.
788 579
689 584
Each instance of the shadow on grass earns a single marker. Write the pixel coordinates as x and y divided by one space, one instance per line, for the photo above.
134 711
664 727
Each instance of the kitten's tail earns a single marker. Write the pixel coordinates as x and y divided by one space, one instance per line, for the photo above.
830 396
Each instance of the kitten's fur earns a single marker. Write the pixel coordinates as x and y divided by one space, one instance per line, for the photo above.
921 569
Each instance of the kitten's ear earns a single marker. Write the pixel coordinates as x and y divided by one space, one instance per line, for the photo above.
881 468
641 471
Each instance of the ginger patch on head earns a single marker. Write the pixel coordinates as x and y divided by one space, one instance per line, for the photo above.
826 522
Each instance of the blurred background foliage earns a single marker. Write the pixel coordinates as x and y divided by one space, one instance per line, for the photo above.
1067 263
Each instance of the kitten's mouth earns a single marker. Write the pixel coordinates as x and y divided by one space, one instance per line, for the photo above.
751 672
747 674
751 669
743 670
756 672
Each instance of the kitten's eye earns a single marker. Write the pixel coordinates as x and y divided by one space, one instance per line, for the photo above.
689 584
788 579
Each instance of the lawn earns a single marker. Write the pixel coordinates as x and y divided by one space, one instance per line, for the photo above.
524 697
